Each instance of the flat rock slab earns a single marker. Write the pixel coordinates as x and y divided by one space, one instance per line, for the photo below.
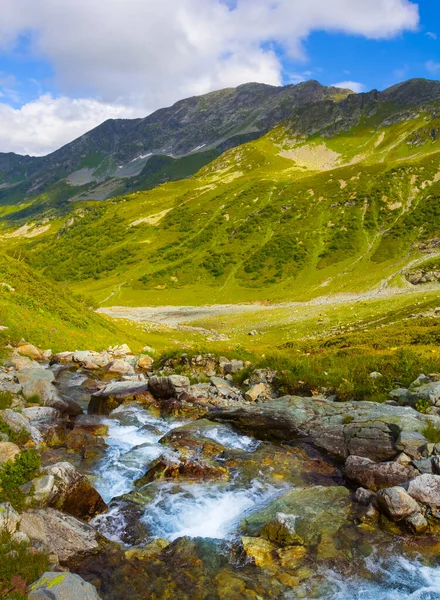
58 533
365 429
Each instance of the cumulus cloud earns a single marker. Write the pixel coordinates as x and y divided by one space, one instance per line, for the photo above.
354 86
149 53
47 123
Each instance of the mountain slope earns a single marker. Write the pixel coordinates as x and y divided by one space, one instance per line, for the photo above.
315 206
117 155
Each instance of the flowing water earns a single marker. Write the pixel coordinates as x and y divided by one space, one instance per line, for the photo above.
215 509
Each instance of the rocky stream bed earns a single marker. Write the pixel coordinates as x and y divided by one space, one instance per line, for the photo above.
154 487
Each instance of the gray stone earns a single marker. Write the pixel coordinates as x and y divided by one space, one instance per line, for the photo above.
430 392
120 366
168 387
396 503
62 586
258 391
41 412
424 465
417 523
413 444
365 497
425 489
376 476
400 395
9 518
58 533
232 367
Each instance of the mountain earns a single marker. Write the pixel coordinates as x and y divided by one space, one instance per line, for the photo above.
339 196
169 144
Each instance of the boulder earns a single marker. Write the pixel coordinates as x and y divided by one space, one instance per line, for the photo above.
400 395
41 412
120 366
429 391
198 469
282 530
365 497
412 443
257 391
9 518
396 503
316 515
425 489
65 488
62 586
112 395
17 422
261 551
376 476
30 351
58 533
168 387
49 396
232 367
417 523
8 451
145 362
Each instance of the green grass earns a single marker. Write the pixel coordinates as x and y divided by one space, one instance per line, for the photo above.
6 399
19 567
14 474
431 432
50 316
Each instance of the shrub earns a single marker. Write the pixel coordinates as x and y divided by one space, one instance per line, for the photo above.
431 432
17 437
19 567
14 474
423 406
5 400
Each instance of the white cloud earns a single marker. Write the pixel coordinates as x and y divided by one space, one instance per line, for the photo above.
432 66
149 53
431 34
354 86
47 123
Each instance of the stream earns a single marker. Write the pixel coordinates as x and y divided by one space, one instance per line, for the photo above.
214 510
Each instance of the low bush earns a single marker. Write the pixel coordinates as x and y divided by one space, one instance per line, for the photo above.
14 474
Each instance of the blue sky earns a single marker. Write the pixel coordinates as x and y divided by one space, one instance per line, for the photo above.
66 66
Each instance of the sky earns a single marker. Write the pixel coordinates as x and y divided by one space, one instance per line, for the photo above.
68 65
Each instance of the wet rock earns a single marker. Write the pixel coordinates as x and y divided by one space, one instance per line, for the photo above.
425 489
167 467
149 551
365 497
58 533
168 387
364 429
321 512
396 503
282 530
114 394
62 586
417 523
412 443
376 476
9 518
8 451
262 552
65 488
190 441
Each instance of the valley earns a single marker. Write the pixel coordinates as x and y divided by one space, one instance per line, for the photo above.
220 347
